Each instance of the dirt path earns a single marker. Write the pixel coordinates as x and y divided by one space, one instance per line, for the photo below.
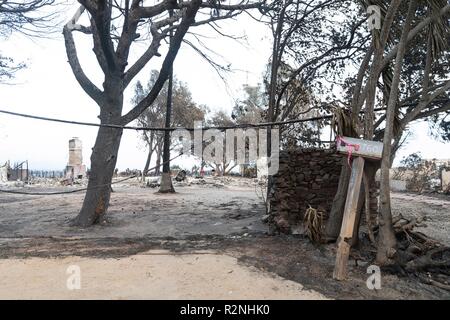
155 274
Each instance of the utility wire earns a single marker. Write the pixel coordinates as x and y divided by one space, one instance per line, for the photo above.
222 128
115 126
265 124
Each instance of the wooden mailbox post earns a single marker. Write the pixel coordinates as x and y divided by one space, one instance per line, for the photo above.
360 149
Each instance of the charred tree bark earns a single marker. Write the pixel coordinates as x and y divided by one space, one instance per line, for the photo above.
149 159
334 221
104 155
359 207
103 163
166 180
158 159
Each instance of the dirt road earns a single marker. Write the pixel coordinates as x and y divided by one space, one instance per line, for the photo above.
154 274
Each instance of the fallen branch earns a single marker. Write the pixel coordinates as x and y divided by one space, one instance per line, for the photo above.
433 259
435 283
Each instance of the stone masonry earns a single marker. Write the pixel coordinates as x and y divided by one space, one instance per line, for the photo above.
307 177
75 168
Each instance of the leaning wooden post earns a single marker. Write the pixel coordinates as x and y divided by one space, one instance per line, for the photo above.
348 221
361 149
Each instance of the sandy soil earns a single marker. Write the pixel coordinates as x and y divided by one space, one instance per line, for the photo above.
117 259
150 275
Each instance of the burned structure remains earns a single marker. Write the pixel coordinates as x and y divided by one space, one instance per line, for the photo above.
4 172
16 172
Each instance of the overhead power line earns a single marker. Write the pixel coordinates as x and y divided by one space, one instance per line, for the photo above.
115 126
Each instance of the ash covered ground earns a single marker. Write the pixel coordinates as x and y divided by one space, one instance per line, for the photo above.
207 224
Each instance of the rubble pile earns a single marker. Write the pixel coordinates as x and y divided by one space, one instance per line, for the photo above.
206 181
12 184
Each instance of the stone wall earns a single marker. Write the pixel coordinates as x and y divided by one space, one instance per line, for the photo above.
307 177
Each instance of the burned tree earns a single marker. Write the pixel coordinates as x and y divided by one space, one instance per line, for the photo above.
114 27
312 43
312 51
417 97
31 18
184 113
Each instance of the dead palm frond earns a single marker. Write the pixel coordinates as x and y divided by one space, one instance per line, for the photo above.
439 29
342 123
313 222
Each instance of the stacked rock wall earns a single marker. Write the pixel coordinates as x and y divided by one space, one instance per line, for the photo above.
306 177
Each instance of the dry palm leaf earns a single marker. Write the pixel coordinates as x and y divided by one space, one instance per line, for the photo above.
313 222
341 122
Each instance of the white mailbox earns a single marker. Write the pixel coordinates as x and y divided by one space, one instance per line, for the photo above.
363 148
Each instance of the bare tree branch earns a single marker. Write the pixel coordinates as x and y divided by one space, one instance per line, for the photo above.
77 70
177 39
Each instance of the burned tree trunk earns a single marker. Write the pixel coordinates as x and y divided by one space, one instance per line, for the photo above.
158 158
387 241
334 222
112 40
166 185
370 170
103 163
149 159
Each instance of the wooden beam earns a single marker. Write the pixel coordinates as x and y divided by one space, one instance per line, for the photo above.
348 222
